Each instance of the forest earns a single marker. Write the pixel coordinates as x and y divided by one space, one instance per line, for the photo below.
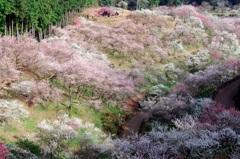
158 82
37 16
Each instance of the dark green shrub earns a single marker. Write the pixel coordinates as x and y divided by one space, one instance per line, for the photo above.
29 145
206 90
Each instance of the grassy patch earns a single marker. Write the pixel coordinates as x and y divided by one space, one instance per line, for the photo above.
89 114
30 124
41 108
2 139
116 55
9 128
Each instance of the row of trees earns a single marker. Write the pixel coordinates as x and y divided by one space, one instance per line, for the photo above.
37 16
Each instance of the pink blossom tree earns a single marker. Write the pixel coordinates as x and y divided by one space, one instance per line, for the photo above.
3 151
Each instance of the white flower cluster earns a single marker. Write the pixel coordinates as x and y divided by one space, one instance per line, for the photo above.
200 58
172 72
53 38
228 44
183 29
193 28
22 87
169 67
91 55
51 134
66 127
177 47
145 11
11 110
187 123
233 46
195 21
199 34
159 90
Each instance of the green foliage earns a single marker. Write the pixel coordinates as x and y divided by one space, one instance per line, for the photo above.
42 107
105 2
113 118
154 78
30 124
35 16
2 139
206 90
29 145
177 2
9 128
117 55
154 3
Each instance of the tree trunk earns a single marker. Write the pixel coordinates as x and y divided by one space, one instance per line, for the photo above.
9 27
70 97
33 31
12 28
66 19
138 5
40 34
22 28
17 30
63 21
26 29
5 28
44 34
49 30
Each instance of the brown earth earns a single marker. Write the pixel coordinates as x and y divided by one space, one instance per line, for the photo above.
134 125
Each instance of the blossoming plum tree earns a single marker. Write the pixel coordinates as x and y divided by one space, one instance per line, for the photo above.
55 136
3 151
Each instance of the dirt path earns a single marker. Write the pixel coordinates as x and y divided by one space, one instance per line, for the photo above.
134 125
225 95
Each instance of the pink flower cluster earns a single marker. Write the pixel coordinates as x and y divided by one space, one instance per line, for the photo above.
3 151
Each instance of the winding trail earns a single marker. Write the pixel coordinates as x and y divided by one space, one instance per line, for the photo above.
227 94
134 125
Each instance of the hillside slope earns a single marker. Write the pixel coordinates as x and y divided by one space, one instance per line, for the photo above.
68 94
